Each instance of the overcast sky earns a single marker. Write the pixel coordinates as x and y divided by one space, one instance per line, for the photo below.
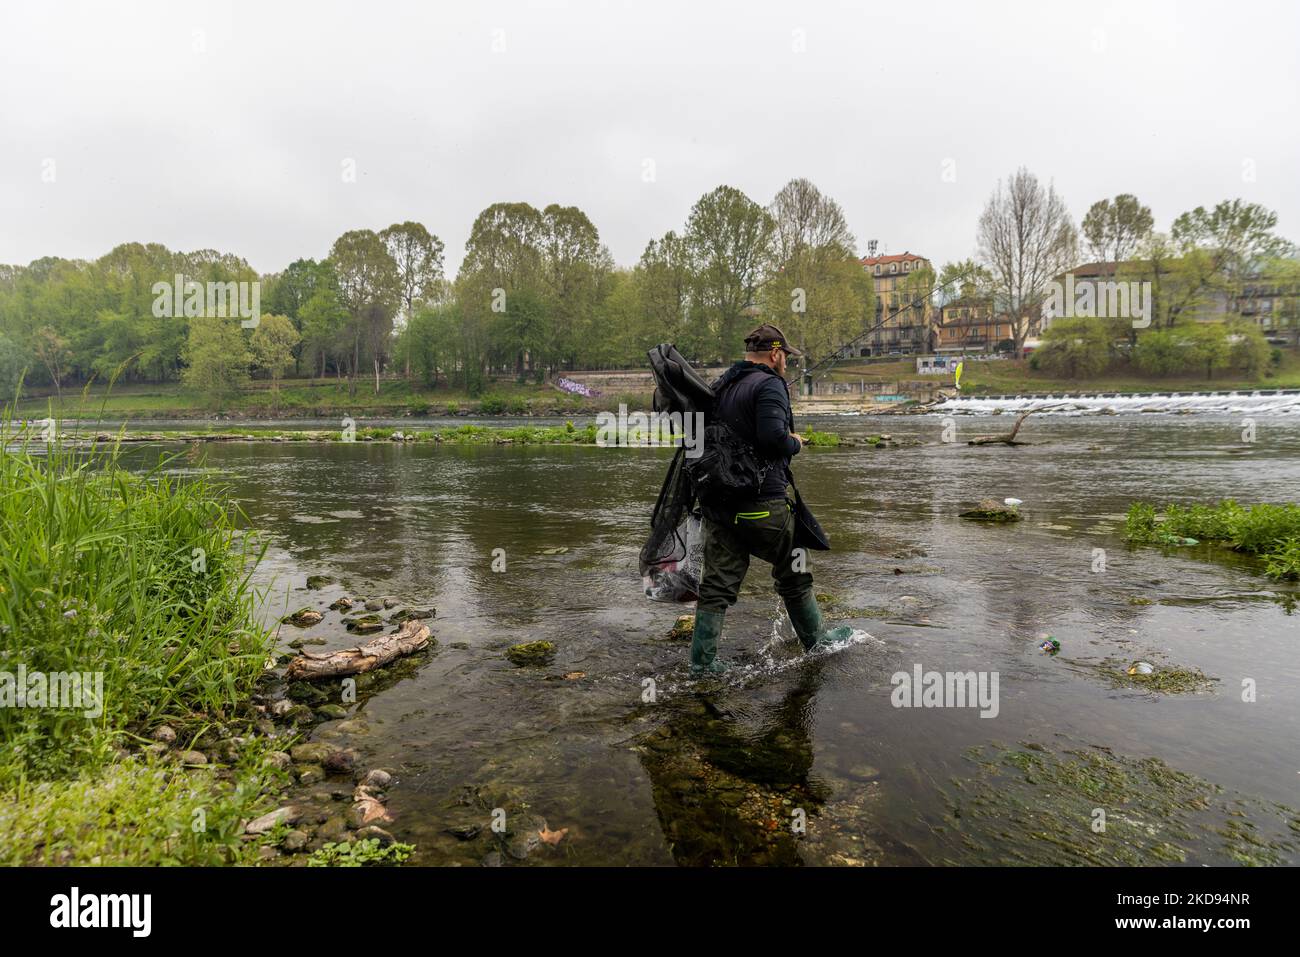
228 125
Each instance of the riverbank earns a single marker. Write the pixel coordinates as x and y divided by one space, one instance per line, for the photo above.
398 398
319 399
130 649
567 434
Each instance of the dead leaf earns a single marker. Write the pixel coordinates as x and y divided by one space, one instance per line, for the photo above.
552 837
574 675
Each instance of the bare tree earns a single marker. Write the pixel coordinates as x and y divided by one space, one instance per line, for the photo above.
1026 238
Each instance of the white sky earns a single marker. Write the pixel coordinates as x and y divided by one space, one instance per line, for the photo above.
225 125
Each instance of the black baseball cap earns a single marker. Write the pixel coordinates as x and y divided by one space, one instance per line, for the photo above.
768 336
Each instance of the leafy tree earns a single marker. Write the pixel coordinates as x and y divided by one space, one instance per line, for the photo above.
325 329
817 290
272 343
1075 348
370 289
217 357
729 237
13 362
1113 229
53 352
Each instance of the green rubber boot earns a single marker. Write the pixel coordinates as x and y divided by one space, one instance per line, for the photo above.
807 620
704 643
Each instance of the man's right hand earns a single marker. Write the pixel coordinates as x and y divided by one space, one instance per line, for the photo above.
796 435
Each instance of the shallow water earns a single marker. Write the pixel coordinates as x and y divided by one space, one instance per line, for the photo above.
643 766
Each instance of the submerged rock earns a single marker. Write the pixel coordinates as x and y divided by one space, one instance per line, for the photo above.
376 778
411 614
531 653
371 832
315 582
310 753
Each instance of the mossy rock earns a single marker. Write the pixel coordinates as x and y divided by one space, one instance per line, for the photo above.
303 617
531 653
365 624
683 627
315 582
990 510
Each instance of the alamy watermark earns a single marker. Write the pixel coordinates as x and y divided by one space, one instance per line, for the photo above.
57 690
1100 299
946 689
215 300
651 428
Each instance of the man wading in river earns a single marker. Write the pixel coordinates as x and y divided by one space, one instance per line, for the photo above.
753 402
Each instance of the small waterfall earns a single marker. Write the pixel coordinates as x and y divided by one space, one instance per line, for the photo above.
1256 402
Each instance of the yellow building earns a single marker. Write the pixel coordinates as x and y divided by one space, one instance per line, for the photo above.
969 325
905 329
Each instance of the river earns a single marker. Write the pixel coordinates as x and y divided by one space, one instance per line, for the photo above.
794 759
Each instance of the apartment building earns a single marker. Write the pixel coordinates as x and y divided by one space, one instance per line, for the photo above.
905 328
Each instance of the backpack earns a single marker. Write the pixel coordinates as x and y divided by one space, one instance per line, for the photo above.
728 469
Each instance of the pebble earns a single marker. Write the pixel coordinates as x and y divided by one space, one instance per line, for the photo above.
164 734
288 814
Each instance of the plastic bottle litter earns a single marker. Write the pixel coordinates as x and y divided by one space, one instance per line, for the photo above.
1049 645
1013 502
1142 668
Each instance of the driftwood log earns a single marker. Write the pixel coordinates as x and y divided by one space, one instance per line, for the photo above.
1006 438
413 637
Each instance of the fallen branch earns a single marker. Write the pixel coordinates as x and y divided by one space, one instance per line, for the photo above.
1006 438
413 637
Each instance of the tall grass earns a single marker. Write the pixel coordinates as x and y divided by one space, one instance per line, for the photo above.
141 576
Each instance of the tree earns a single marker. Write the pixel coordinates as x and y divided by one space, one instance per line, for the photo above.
816 286
1236 237
324 329
1026 238
665 282
574 267
13 363
53 352
503 257
1074 348
1115 229
273 342
217 358
965 279
370 289
730 237
418 256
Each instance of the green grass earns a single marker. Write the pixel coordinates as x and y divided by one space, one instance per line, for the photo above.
139 581
1269 531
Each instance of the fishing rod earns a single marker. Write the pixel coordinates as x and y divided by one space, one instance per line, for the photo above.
834 355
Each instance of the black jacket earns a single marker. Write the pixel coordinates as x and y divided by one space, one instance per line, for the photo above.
754 400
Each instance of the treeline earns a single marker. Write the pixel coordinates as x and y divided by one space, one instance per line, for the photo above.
537 293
